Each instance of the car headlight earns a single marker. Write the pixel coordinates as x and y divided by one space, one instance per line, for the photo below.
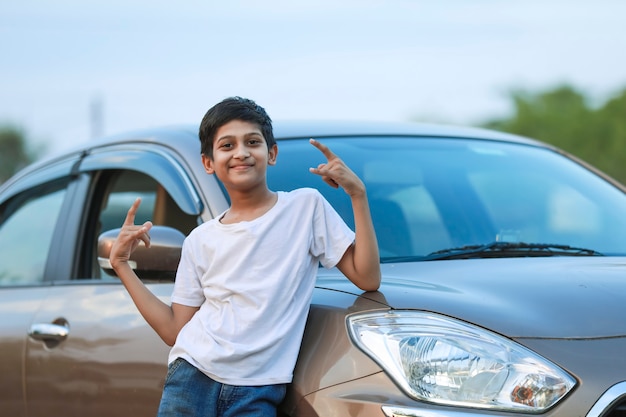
438 359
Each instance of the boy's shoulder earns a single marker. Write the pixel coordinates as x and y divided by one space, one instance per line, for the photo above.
304 191
302 194
199 230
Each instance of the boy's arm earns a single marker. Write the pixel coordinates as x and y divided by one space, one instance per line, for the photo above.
164 319
360 263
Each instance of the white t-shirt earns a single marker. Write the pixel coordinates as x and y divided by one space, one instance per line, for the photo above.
253 282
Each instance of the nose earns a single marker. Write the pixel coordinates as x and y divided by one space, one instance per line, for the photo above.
242 152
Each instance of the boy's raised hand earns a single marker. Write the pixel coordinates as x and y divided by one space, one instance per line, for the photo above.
360 261
129 237
336 173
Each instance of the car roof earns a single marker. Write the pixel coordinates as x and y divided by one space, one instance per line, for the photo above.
290 129
184 138
286 129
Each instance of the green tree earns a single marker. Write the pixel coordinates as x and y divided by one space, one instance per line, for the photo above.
563 117
14 151
611 124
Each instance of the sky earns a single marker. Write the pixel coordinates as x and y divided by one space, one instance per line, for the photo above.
71 70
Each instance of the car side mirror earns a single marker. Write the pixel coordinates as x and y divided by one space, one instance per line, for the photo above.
158 262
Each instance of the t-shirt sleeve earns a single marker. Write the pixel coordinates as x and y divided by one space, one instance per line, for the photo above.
187 287
331 235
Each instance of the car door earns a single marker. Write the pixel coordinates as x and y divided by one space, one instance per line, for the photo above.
97 355
28 221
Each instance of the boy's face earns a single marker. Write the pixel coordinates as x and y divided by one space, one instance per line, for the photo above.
240 156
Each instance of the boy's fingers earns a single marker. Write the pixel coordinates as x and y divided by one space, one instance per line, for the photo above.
319 170
323 148
146 230
130 216
330 182
145 235
322 172
146 239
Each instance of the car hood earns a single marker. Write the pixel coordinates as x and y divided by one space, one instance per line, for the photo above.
556 297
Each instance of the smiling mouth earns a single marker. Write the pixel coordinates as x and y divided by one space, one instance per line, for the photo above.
240 167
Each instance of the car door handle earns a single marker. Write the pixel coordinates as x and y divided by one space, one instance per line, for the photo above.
50 333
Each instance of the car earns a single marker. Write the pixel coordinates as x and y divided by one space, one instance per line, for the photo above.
503 266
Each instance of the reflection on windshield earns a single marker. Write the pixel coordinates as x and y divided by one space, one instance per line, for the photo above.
428 195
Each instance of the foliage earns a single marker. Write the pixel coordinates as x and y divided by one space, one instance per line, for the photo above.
563 117
14 152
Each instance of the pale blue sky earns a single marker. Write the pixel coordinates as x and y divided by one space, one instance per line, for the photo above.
152 63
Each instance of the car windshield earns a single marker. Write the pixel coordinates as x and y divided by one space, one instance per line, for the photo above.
429 195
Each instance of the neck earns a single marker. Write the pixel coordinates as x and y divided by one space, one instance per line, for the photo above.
248 199
248 206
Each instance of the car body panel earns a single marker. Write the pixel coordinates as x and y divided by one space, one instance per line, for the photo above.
553 297
326 355
602 357
17 309
113 366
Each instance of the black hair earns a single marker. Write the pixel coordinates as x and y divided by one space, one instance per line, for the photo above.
229 109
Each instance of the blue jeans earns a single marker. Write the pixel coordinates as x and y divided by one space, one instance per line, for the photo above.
189 392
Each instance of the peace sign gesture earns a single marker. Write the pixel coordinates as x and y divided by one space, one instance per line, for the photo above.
336 173
129 237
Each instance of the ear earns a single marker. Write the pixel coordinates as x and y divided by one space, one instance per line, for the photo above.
208 164
273 154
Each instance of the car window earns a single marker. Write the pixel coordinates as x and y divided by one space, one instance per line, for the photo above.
432 194
126 186
27 225
417 216
549 213
115 193
154 163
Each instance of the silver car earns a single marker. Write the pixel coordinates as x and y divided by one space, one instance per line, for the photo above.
503 291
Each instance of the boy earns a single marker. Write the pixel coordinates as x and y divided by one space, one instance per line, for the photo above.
245 278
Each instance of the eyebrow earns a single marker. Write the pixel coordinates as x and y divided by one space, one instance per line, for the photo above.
246 135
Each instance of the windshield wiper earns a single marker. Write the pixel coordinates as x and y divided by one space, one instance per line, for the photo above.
510 249
499 250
